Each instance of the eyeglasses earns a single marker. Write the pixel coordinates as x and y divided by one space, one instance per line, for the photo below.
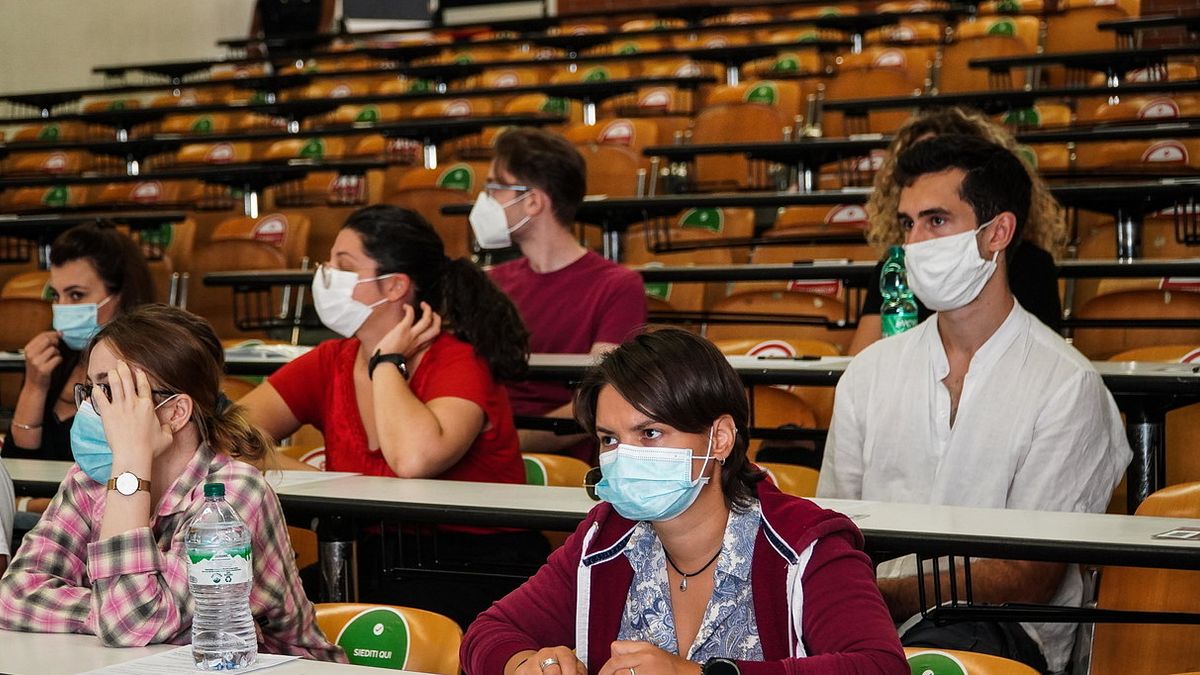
590 479
83 394
489 188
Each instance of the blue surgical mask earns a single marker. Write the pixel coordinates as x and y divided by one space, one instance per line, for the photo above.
651 484
78 323
89 445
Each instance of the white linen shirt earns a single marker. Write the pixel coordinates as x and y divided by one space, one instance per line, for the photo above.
1036 429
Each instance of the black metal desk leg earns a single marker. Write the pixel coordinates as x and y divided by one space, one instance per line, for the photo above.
337 558
1129 235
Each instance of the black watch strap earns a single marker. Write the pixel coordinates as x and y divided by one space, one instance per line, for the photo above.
378 358
720 666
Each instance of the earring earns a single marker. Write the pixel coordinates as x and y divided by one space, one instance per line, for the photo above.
721 462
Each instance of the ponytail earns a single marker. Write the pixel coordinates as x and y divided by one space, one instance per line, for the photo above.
482 315
227 430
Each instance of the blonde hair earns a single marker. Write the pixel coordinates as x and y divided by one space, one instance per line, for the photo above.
1046 226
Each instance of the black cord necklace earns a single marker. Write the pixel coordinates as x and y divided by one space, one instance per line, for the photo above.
685 575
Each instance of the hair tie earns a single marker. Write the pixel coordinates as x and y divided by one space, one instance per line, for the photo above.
223 403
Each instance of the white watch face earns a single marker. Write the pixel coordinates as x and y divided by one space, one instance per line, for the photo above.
127 483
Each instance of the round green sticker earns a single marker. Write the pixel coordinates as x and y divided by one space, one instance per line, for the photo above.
50 132
763 93
457 177
703 219
313 149
202 125
935 663
1003 27
376 637
535 472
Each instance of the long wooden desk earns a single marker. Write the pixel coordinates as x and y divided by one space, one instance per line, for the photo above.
65 654
888 527
1144 391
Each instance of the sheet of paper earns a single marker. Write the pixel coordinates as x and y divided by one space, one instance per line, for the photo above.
290 478
179 661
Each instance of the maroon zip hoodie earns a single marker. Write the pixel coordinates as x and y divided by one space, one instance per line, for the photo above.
815 600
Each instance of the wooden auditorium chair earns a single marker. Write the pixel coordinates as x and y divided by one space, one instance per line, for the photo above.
1151 649
387 636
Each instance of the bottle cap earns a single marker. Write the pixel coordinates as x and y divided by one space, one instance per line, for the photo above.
214 490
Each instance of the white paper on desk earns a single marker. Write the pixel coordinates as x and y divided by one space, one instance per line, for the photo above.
179 661
279 478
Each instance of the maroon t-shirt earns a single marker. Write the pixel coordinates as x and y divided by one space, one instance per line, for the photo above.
567 311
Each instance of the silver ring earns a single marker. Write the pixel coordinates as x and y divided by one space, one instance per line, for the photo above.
631 672
546 663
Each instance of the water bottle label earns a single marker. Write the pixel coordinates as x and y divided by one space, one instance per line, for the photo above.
895 324
219 568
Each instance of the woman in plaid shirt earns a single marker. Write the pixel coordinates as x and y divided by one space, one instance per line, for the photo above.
110 561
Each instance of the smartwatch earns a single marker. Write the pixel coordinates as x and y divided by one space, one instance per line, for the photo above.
128 484
720 666
377 358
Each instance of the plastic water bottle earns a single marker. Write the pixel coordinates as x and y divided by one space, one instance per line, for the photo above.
899 310
220 575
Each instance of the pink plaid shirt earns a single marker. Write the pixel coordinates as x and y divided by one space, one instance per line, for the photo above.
132 589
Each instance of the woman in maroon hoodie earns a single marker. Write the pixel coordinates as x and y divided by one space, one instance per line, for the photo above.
693 563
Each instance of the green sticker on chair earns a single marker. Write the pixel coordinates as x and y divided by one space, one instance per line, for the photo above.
599 74
1003 27
1023 117
657 290
764 93
420 86
554 105
535 472
629 48
457 177
313 149
1008 7
703 219
786 64
203 125
50 132
369 114
376 637
56 196
935 663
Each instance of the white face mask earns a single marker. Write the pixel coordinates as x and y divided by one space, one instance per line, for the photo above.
332 290
489 222
946 272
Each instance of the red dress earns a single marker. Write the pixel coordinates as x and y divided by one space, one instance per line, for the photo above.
319 389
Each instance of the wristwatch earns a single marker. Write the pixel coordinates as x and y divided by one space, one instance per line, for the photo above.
378 358
128 484
720 666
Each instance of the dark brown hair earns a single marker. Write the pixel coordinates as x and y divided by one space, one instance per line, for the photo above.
182 352
678 378
401 241
548 162
117 259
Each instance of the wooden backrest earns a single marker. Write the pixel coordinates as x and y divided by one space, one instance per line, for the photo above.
31 285
1145 649
923 661
21 319
1100 343
796 480
287 231
553 470
216 303
777 303
729 123
455 231
387 636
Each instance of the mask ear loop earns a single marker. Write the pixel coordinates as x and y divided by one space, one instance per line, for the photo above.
524 221
707 456
996 255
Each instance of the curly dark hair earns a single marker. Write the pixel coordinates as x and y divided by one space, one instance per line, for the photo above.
401 241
